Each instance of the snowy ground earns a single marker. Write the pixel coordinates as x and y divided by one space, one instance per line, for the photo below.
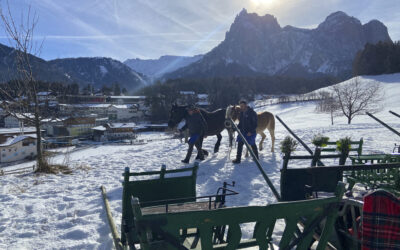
67 212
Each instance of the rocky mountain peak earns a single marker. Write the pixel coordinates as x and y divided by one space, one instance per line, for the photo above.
376 31
252 22
258 44
339 20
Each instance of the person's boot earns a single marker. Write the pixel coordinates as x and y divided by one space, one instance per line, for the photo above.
238 154
200 155
189 153
255 150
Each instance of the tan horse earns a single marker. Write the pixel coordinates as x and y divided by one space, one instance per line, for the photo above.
265 120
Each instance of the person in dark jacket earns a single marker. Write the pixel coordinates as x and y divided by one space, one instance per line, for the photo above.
247 126
197 126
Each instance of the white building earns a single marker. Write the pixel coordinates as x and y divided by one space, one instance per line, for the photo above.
18 148
124 112
202 100
114 131
46 96
16 121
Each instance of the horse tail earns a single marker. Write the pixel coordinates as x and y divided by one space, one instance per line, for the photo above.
272 121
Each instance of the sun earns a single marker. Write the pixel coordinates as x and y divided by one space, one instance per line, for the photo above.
262 2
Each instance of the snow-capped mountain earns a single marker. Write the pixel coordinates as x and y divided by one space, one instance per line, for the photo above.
96 70
99 71
260 44
158 67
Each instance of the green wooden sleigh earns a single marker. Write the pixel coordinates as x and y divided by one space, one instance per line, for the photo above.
171 218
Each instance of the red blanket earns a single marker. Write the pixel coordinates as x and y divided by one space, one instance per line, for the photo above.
381 221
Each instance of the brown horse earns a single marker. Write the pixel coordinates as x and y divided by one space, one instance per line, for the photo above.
265 120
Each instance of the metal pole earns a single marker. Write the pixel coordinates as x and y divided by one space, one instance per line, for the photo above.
394 113
384 124
230 124
298 139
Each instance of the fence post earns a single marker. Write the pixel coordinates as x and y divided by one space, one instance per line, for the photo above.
316 157
285 160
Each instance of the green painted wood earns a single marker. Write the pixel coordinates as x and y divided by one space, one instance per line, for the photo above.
235 234
260 234
356 146
290 228
153 192
265 216
386 178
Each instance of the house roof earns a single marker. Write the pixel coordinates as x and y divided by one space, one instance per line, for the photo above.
123 106
87 105
5 131
128 97
45 93
12 140
186 92
99 128
122 125
21 115
202 103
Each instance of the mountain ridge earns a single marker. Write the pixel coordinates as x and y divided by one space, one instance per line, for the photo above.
261 44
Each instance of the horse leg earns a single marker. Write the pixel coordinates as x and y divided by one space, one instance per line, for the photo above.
263 136
216 147
272 133
230 133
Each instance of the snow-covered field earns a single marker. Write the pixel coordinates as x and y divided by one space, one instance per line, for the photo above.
67 212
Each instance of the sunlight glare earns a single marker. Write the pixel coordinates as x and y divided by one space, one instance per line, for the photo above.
262 2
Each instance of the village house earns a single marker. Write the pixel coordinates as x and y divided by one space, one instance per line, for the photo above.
95 99
79 126
16 120
127 100
186 97
6 133
114 132
18 148
124 112
46 96
202 101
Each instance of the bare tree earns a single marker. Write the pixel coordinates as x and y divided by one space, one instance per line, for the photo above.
327 104
358 97
21 96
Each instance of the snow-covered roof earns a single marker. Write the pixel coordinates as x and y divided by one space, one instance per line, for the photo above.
45 93
124 106
17 130
202 96
122 125
128 97
202 103
88 105
22 116
186 92
13 140
99 128
53 119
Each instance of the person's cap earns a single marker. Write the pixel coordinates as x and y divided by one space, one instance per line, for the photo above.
243 101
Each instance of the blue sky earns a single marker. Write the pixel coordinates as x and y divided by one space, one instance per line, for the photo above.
124 29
